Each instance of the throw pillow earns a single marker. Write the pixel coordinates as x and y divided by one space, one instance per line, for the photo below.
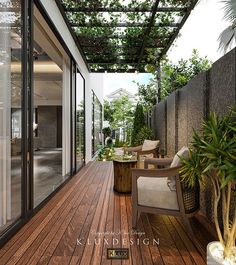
149 145
184 153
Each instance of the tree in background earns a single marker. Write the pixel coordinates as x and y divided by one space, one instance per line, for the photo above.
122 112
138 122
108 111
119 113
175 76
228 35
147 95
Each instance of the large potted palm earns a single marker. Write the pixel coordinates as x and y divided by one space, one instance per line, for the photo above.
213 157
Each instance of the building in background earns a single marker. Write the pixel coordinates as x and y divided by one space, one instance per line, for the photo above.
119 93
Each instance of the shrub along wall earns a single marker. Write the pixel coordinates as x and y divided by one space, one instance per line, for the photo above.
173 119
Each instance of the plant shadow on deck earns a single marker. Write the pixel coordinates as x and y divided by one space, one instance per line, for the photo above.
86 216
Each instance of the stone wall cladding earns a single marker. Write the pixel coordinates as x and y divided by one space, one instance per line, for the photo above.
195 97
171 124
160 130
222 83
214 90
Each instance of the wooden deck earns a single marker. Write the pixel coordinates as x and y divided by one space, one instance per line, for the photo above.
80 222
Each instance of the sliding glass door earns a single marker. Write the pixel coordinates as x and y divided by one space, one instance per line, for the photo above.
96 124
80 120
51 83
10 112
36 140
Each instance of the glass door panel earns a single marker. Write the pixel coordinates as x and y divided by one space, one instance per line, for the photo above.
80 130
47 113
10 113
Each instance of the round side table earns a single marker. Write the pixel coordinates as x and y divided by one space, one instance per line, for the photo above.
123 175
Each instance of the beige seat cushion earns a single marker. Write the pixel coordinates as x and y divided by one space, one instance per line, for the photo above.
176 162
149 145
154 192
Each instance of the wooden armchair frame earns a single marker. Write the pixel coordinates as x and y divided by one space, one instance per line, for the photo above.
159 173
138 150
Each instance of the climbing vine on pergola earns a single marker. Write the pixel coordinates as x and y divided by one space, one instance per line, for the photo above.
125 35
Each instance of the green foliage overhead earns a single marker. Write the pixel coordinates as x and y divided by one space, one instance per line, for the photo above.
139 122
101 38
143 134
175 76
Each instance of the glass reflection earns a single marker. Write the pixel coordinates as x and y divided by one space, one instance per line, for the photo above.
80 132
10 112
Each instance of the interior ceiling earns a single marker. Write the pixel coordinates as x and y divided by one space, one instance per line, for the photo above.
125 35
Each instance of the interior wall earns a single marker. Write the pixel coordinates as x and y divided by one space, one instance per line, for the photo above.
47 126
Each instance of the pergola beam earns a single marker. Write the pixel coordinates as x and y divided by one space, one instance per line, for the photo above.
147 32
132 42
121 37
123 9
121 25
120 62
107 46
119 70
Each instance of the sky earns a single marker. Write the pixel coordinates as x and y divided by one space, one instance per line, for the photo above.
200 31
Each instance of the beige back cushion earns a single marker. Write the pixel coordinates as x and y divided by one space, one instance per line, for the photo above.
149 145
184 153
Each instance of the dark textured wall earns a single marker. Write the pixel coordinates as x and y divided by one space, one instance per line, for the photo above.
160 118
191 108
171 123
214 90
222 83
47 126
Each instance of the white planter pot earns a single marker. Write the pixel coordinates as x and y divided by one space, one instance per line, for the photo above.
214 250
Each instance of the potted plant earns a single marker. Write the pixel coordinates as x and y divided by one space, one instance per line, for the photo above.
213 157
106 132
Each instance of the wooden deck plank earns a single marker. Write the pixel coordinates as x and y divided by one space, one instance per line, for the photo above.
32 235
179 243
125 232
116 225
27 229
64 215
98 248
85 205
154 248
188 243
145 251
135 248
168 248
89 232
109 227
68 241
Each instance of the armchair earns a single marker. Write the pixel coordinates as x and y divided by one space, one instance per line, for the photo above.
148 147
161 191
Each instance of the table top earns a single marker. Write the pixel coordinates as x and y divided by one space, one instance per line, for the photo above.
121 159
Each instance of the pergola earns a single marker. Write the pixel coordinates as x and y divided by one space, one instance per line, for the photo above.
124 35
